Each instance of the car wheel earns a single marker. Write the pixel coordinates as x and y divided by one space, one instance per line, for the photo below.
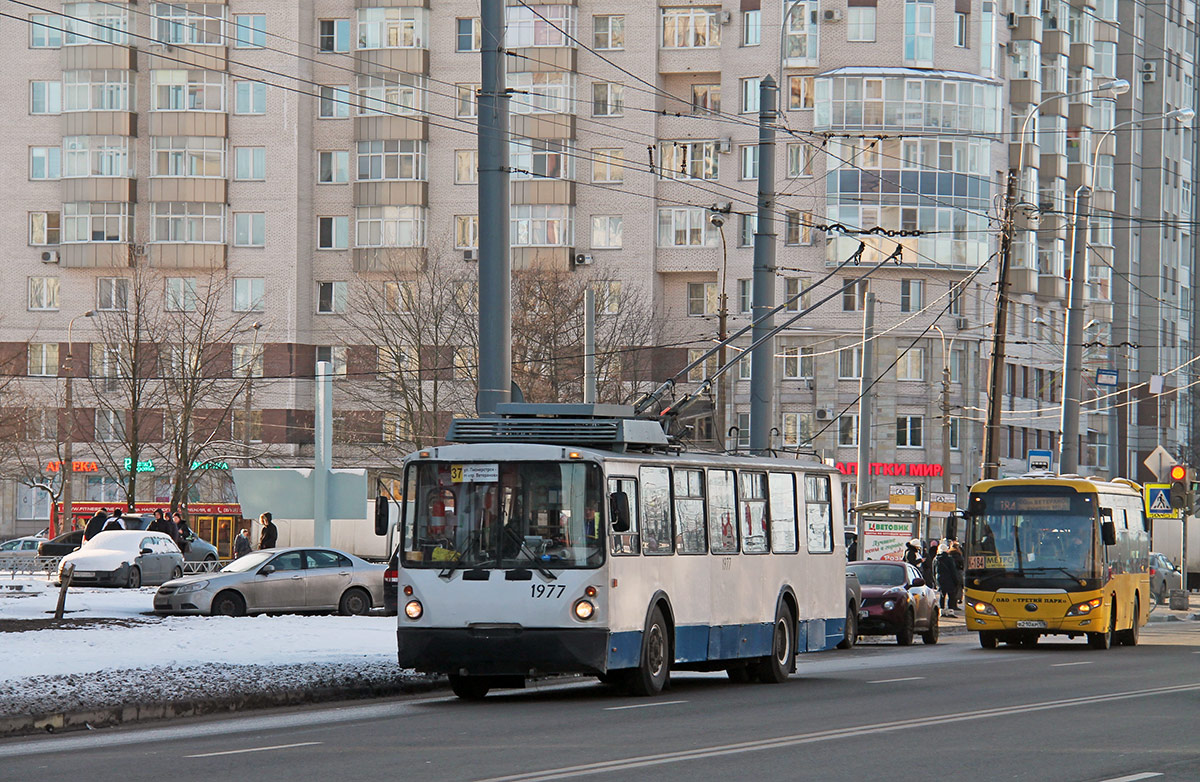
904 636
355 602
470 688
654 669
777 666
988 639
135 577
1103 640
210 558
228 603
931 635
850 633
176 573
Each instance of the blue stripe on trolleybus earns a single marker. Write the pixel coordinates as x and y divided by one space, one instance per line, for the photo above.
696 643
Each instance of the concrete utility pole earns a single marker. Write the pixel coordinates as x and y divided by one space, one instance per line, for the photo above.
1068 440
495 264
762 358
719 418
322 453
589 346
991 433
68 456
866 377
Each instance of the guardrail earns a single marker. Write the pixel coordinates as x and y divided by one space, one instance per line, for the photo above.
29 565
205 567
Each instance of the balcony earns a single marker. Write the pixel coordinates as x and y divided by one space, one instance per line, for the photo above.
1055 42
389 260
187 256
391 193
99 57
554 259
1023 280
204 190
1051 286
1028 28
99 123
188 123
399 128
391 60
95 255
543 126
210 58
80 189
543 191
1083 55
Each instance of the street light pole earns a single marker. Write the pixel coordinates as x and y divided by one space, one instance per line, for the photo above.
718 219
68 455
945 412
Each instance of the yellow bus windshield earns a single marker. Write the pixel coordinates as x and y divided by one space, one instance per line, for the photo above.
1034 533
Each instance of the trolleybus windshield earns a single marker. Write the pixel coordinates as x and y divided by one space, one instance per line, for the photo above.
503 515
1035 533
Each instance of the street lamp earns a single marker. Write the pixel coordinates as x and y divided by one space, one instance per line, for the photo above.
68 460
718 220
1068 444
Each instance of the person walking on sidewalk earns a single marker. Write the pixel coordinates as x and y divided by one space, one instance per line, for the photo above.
912 553
947 578
270 533
95 524
241 544
960 565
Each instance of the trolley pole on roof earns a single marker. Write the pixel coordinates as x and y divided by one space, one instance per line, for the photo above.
495 270
762 357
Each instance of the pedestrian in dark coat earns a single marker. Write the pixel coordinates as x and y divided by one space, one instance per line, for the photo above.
927 564
270 533
183 533
115 522
960 563
95 524
241 544
947 579
159 524
912 552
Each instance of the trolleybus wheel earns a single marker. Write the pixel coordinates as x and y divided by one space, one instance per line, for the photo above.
987 639
1103 640
904 636
850 634
776 666
470 688
931 635
1130 637
652 672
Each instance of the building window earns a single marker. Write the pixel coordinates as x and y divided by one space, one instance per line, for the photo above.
847 427
99 156
333 167
541 159
860 23
539 25
389 226
702 298
331 298
98 90
334 35
187 221
703 370
380 96
468 34
180 294
393 28
187 156
248 360
908 431
608 165
248 294
911 364
797 429
918 32
251 31
43 359
92 23
608 297
45 97
798 227
335 102
112 294
333 233
745 294
45 31
247 427
706 98
543 93
961 30
854 296
397 428
608 99
608 31
751 28
249 97
685 227
799 363
466 232
541 226
750 95
45 162
250 163
97 222
43 293
187 90
606 232
466 166
748 225
335 356
800 160
800 92
110 426
911 295
796 293
850 361
691 28
189 24
398 297
687 160
954 445
44 228
466 104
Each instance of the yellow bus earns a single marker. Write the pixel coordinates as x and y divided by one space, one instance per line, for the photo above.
1056 555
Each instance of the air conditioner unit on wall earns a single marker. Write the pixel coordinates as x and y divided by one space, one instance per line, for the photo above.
824 414
960 323
726 17
50 256
583 259
832 15
470 255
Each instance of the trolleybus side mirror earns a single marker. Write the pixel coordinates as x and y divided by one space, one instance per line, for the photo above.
618 509
382 518
1108 533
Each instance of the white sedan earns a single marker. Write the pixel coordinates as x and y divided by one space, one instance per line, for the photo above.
125 558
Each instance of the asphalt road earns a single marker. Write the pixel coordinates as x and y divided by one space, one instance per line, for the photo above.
1060 712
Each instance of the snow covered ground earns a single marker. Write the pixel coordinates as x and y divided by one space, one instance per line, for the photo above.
111 650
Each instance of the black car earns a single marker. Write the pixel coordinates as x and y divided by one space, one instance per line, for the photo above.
62 545
391 581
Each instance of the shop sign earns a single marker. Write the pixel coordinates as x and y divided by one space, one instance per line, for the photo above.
892 468
143 465
75 467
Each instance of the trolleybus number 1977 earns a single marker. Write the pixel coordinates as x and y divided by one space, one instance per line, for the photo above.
547 590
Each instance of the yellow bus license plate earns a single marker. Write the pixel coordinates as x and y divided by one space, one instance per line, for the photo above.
1031 623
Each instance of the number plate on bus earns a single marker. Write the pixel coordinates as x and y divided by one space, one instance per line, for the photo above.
1031 623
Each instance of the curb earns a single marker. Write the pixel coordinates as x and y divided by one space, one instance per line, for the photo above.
55 722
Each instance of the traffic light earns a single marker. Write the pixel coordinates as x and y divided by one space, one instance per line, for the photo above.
1181 488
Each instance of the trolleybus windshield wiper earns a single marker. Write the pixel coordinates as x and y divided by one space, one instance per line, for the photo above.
461 562
523 549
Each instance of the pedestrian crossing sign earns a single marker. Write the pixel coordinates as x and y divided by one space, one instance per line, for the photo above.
1158 501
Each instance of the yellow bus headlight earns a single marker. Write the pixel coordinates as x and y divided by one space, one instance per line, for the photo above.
1083 609
980 607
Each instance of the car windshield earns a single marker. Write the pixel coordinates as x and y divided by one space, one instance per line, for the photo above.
1047 533
503 515
248 562
878 574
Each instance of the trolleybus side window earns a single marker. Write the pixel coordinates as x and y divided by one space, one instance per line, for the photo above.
818 514
625 542
752 511
656 510
722 529
783 512
689 511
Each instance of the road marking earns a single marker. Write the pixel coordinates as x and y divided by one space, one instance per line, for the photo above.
643 705
1064 665
905 679
852 732
253 749
1134 777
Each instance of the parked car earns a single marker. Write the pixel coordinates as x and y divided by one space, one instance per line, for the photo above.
1163 577
896 601
198 549
20 547
62 545
278 580
125 558
391 585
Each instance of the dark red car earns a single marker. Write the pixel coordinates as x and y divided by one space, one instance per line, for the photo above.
895 601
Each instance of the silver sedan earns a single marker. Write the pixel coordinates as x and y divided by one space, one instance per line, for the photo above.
302 578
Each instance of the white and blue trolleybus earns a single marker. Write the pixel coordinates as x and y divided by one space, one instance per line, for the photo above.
585 541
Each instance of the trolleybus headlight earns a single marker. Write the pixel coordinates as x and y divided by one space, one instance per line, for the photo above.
980 607
1083 609
413 609
584 609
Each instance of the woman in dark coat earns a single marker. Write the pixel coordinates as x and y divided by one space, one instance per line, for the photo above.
947 578
95 524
